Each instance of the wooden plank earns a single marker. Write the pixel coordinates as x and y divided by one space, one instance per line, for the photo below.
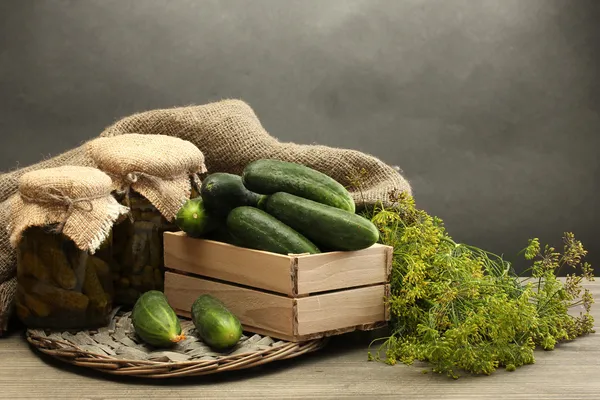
223 261
336 332
338 270
389 258
252 307
386 302
338 310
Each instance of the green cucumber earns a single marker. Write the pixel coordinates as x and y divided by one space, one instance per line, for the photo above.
258 230
193 218
326 226
154 320
222 192
221 234
215 324
267 176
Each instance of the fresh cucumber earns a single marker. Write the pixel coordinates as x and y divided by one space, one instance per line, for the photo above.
215 324
154 320
221 234
326 226
222 192
268 176
193 218
256 229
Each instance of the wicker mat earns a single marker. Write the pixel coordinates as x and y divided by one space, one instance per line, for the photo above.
116 349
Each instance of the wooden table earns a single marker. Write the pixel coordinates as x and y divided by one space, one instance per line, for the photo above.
340 371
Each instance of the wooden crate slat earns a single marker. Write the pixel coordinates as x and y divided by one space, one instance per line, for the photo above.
339 270
338 310
252 307
222 261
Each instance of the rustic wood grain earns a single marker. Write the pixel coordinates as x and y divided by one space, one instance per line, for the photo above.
253 308
275 272
279 316
340 371
338 270
223 261
338 310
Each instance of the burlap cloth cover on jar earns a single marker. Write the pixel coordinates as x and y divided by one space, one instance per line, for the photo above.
154 175
59 219
162 169
230 135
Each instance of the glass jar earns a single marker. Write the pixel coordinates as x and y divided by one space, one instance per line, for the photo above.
151 174
59 285
138 250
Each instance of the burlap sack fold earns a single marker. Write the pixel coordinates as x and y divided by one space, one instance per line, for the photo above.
230 135
76 201
160 168
8 289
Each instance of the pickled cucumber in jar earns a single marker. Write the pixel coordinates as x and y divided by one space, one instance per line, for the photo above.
60 225
60 286
138 251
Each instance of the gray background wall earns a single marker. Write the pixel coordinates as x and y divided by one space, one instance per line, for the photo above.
491 107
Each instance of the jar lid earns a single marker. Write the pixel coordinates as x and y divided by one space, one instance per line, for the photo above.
77 200
159 167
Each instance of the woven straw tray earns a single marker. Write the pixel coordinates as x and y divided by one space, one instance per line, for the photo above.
116 349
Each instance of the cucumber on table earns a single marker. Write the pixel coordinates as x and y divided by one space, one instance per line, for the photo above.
154 320
222 192
268 176
326 226
215 324
256 229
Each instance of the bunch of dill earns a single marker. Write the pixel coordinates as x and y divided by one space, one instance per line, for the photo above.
461 308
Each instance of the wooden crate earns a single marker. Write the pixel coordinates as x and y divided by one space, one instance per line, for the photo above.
291 297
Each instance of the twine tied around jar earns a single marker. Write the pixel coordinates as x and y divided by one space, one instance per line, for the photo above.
74 201
59 197
131 178
158 167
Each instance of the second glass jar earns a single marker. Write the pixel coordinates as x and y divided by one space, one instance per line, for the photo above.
138 250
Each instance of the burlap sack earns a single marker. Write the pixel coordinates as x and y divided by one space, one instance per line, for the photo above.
160 168
77 201
230 136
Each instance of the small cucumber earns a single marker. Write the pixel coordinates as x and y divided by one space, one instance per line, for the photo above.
215 324
154 320
268 176
222 192
326 226
193 218
258 230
